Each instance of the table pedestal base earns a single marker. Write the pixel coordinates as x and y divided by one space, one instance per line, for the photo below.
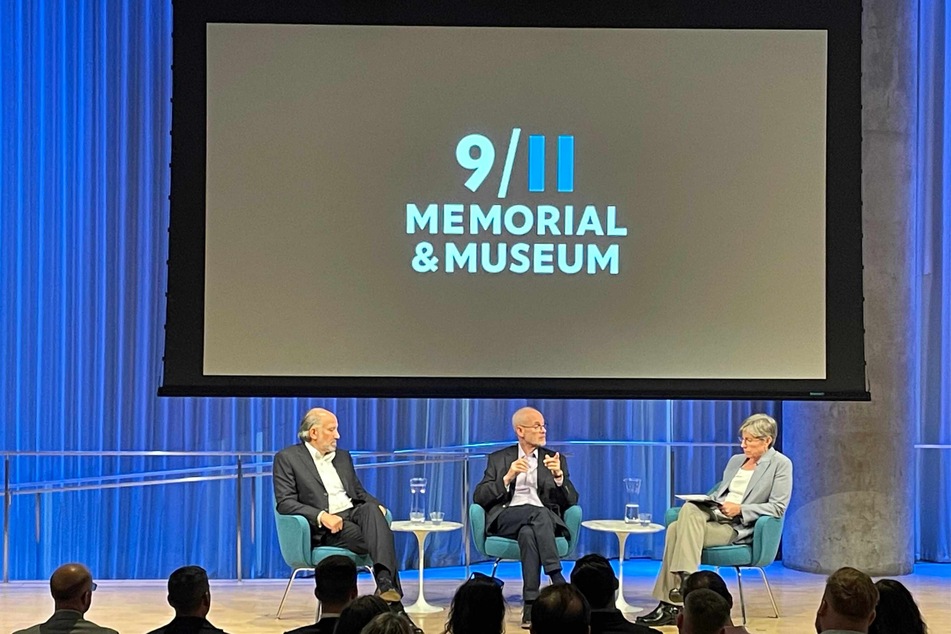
620 603
421 607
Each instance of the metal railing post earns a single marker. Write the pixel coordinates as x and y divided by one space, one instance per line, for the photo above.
465 511
6 519
252 503
238 519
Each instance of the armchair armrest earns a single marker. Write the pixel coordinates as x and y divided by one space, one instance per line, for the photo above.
767 533
573 517
293 535
477 527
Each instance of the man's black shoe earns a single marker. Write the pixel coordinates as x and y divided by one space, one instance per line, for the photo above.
663 614
676 595
386 589
526 616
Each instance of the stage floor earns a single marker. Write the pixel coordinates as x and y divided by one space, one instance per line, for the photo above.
250 607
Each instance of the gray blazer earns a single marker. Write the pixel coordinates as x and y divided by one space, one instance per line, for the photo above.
768 492
67 622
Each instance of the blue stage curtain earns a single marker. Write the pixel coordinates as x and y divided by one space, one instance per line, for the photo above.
933 294
84 153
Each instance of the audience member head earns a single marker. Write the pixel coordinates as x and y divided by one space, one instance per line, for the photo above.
358 613
709 580
896 610
561 609
595 579
188 591
335 582
848 602
705 612
388 623
71 586
478 607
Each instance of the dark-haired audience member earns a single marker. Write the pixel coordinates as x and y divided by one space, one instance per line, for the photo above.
358 613
561 609
335 585
848 603
595 579
71 586
896 611
705 612
389 623
712 581
190 595
478 607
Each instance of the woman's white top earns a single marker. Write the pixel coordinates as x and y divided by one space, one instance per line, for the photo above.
738 486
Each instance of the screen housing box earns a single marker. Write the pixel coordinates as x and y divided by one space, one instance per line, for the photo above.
184 331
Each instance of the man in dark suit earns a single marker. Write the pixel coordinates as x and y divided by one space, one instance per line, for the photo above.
71 586
315 479
190 595
595 579
335 585
525 492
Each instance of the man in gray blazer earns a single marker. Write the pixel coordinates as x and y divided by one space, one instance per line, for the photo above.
756 482
317 480
71 586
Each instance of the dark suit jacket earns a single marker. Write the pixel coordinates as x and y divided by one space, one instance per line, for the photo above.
188 625
325 625
613 622
492 495
67 622
299 490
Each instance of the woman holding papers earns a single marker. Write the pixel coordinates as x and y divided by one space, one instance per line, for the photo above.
755 483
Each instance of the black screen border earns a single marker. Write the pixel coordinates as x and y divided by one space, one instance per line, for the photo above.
184 329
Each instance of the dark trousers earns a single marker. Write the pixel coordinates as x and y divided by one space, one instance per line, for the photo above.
365 532
534 528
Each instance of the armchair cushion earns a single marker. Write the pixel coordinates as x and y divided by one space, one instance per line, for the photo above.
293 536
504 548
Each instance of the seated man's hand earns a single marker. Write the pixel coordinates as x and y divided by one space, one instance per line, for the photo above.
554 465
517 467
331 522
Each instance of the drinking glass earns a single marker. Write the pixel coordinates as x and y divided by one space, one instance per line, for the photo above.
632 490
417 489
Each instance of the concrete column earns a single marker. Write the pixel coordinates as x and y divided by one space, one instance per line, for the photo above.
853 494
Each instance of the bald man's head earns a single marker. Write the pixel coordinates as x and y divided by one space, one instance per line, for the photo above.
529 426
71 586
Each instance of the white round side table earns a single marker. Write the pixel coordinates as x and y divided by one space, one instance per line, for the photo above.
422 530
622 529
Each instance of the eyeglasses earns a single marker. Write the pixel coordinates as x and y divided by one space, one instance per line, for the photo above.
535 427
94 586
750 440
484 577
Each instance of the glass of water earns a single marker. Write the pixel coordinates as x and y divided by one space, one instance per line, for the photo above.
417 508
632 491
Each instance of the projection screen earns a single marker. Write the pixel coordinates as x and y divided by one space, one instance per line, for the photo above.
499 209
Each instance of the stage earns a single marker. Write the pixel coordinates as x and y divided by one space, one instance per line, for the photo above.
250 607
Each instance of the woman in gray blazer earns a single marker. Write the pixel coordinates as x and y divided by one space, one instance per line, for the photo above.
755 483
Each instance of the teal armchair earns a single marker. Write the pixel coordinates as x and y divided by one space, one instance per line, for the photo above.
500 548
767 534
293 535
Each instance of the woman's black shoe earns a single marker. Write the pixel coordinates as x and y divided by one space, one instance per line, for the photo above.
663 614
